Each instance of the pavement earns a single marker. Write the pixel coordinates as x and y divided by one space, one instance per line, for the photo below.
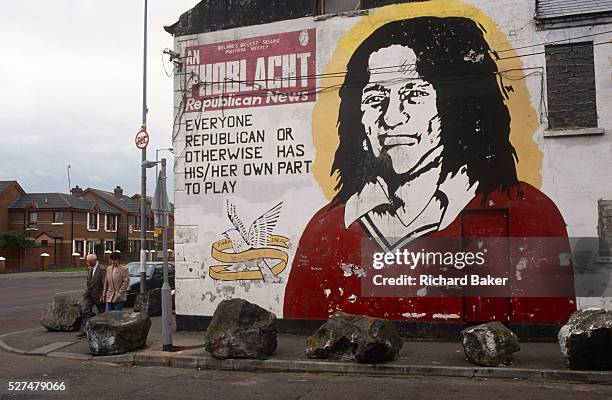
417 358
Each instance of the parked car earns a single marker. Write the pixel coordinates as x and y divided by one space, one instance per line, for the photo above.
154 278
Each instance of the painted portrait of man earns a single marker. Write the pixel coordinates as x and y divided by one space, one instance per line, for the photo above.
424 141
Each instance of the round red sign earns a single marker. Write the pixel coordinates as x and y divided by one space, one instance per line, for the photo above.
142 139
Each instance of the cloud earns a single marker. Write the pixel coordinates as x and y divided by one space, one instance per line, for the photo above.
71 87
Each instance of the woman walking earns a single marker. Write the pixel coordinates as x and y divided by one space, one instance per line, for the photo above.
116 284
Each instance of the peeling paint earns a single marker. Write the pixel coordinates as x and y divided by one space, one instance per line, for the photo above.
522 264
347 269
227 291
565 259
326 292
350 269
414 315
209 293
446 316
352 298
422 292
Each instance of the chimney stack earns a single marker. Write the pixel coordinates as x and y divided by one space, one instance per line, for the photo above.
76 191
118 191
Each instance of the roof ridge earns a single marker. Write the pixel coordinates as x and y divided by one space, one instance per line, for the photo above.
61 196
101 190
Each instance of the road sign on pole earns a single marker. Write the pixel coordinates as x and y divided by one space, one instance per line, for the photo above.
142 139
161 209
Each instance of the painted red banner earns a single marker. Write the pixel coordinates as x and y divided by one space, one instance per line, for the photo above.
254 72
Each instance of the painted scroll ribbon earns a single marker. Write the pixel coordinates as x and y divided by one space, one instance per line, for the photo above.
273 252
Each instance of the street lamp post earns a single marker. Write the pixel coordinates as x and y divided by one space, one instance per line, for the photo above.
161 209
166 290
143 169
171 150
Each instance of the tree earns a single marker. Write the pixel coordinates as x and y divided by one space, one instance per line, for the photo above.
121 244
15 240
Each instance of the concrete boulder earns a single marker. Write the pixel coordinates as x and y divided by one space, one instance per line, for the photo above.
63 314
586 340
117 332
240 329
490 344
149 302
355 338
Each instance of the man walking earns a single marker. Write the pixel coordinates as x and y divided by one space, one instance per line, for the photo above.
92 296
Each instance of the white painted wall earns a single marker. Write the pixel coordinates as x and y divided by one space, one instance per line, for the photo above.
576 171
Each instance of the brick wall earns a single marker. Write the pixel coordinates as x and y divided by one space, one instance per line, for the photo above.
604 225
570 78
6 199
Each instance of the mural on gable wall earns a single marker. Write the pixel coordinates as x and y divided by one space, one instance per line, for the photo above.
418 126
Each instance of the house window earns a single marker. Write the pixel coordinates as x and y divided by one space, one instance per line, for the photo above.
109 245
58 217
110 222
44 243
91 247
150 224
337 6
570 80
78 246
137 224
32 221
92 221
564 13
134 246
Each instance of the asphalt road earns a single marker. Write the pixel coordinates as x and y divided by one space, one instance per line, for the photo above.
22 299
91 380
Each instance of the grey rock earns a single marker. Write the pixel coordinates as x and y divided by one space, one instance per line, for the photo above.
355 338
490 344
149 302
240 329
63 314
117 332
586 340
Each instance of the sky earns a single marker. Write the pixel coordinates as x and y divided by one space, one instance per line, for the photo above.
71 91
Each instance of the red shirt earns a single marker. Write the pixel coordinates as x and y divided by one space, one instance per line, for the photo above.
327 269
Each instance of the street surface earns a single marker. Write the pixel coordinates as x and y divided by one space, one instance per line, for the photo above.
23 299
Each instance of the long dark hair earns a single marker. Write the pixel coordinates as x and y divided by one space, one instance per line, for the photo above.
454 57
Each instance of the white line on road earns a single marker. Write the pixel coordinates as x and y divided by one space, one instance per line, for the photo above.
70 291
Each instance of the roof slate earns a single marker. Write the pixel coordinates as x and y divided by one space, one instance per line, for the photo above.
5 185
125 202
54 201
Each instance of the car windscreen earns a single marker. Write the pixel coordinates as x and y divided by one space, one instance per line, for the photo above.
134 268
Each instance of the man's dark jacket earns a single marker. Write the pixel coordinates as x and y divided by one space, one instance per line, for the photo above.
95 284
